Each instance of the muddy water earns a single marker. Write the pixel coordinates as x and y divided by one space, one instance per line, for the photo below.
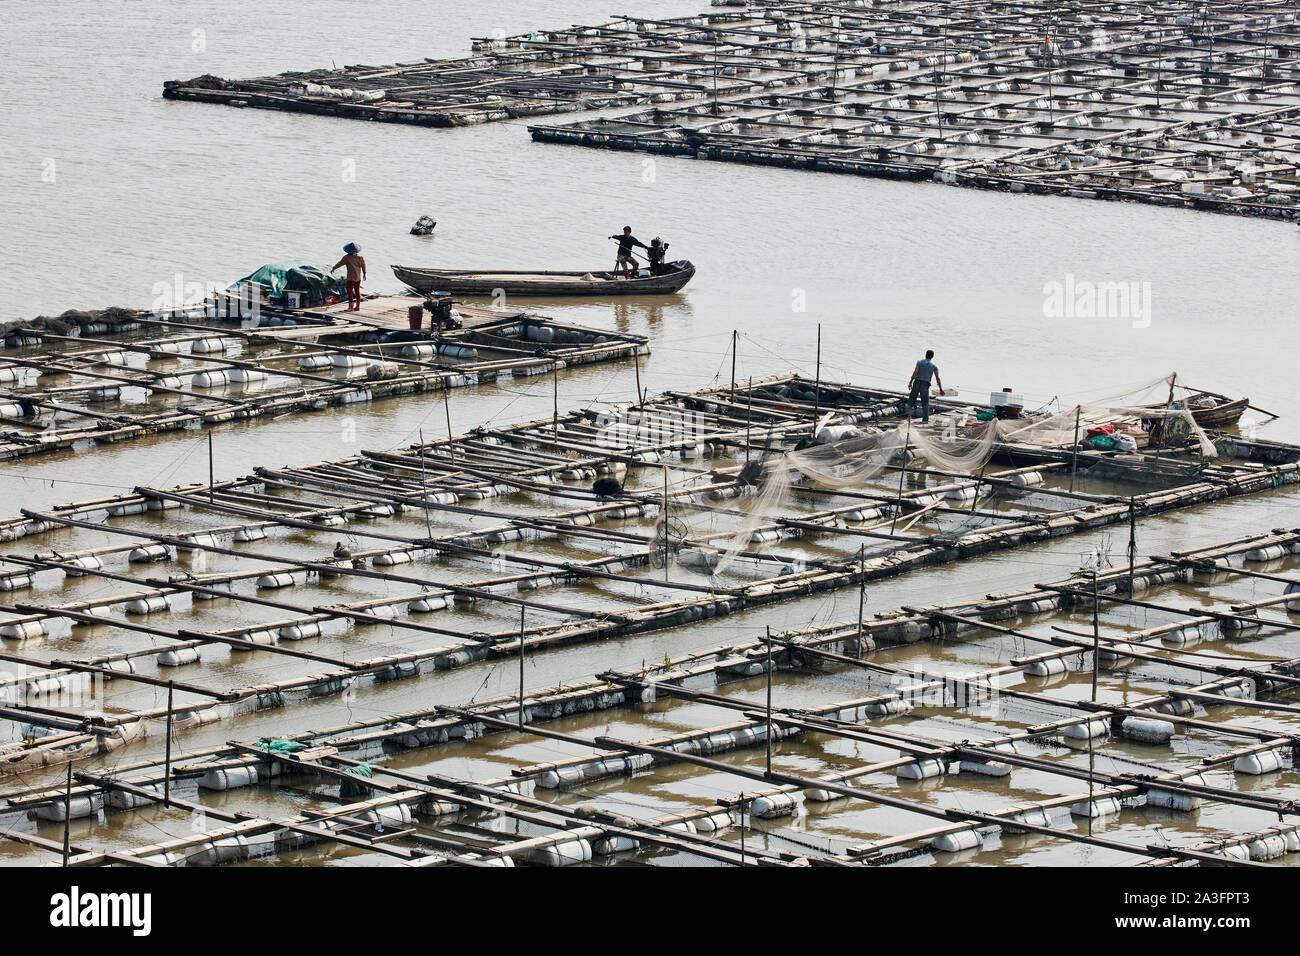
144 190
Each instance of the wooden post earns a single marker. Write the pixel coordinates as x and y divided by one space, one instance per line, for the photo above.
1132 542
1096 635
734 335
902 472
211 472
522 610
67 814
446 407
555 401
862 593
817 381
1096 648
749 416
768 736
741 829
978 481
665 516
167 759
424 482
636 359
1074 458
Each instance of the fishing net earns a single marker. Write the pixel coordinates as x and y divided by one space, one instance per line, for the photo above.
960 442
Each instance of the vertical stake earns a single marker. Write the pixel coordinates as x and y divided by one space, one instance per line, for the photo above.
742 829
67 814
768 735
1096 642
167 759
978 481
749 416
665 510
862 593
555 400
636 359
522 610
1132 542
211 472
424 484
451 446
1074 458
817 382
734 334
902 473
1096 634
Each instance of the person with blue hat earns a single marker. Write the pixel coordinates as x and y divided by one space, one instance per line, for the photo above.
356 266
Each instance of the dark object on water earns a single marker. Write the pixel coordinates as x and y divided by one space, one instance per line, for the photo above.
751 473
342 551
423 226
677 274
607 487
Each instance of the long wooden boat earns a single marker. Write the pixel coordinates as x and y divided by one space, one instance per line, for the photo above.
546 283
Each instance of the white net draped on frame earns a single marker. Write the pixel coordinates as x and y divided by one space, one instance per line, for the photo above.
955 442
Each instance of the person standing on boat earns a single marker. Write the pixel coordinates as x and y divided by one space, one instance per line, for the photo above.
356 272
625 262
658 248
919 385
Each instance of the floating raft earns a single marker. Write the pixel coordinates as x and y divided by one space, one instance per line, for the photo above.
92 382
1166 104
396 564
1120 102
462 784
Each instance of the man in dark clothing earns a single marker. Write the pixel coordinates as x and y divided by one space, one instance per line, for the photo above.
919 384
625 262
658 248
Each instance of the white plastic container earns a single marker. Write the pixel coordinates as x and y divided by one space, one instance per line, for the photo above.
279 579
300 632
956 842
148 605
213 378
1257 764
179 657
774 806
1147 730
921 769
229 778
1086 729
149 552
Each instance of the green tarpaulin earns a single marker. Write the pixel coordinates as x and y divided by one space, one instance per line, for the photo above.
297 276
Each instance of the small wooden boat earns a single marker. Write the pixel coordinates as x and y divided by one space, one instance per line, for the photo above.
1210 409
546 283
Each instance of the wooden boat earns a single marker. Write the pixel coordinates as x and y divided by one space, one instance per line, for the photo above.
546 283
1224 412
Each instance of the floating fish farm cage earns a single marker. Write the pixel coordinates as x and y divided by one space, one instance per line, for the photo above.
295 665
1177 104
1190 106
97 382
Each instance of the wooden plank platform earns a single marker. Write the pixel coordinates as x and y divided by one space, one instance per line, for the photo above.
389 312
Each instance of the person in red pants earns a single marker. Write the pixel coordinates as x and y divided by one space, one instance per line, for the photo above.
356 266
